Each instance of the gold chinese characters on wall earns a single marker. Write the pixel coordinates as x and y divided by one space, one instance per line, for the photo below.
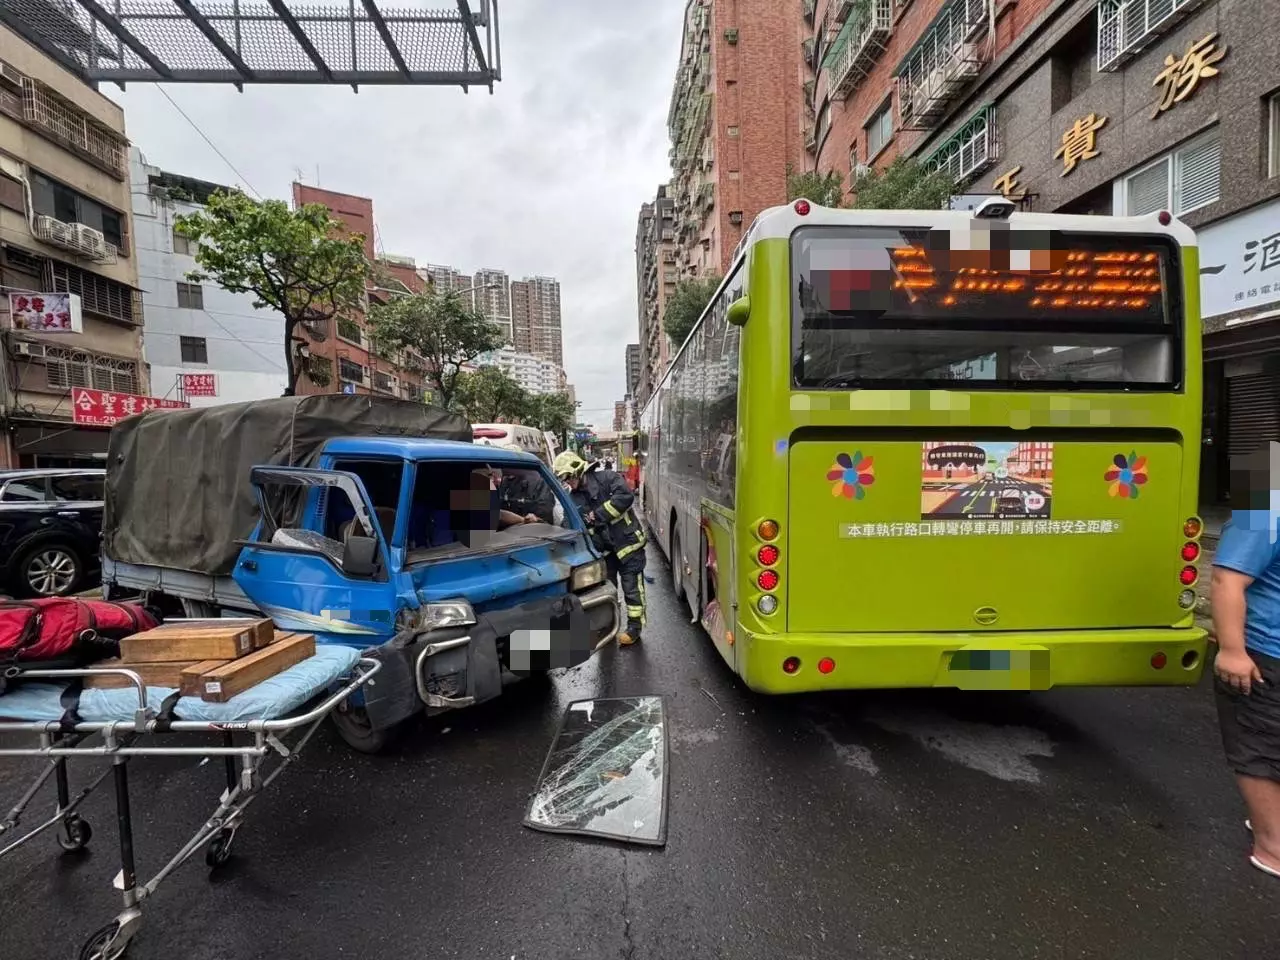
1008 185
1181 76
1080 143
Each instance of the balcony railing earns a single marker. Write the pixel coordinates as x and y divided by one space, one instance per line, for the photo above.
972 149
945 60
63 121
861 41
1127 27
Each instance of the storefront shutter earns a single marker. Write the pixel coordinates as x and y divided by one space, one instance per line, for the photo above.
1253 411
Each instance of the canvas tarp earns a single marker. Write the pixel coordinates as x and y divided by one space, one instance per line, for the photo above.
178 492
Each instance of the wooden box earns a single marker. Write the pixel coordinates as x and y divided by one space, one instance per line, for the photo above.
222 683
189 643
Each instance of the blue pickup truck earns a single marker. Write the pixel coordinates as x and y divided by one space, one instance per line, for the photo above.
368 522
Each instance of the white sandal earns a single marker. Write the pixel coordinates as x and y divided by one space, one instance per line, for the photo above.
1263 867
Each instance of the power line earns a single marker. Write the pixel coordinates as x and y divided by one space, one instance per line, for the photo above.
206 139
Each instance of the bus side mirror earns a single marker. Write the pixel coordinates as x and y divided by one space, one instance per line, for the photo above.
739 311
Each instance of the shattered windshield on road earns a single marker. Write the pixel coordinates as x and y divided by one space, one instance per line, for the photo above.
605 775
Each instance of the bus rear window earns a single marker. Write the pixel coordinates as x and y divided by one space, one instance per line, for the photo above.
900 308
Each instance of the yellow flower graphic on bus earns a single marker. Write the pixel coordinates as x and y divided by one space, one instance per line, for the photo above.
852 475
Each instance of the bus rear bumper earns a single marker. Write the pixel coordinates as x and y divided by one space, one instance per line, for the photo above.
970 661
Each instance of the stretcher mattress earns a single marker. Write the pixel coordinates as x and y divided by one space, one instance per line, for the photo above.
272 699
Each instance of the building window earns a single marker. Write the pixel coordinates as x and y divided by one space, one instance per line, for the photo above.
1181 181
190 296
180 243
733 131
879 130
66 368
52 199
348 329
383 382
350 371
970 150
101 296
194 349
1273 127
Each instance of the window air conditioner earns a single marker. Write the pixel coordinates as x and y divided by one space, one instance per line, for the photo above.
29 349
91 242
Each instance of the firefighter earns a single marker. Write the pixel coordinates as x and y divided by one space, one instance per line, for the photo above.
605 501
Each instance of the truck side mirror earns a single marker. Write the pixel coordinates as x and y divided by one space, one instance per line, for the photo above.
739 311
359 556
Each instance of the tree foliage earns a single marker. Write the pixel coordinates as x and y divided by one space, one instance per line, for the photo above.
302 263
824 189
685 306
906 184
490 395
442 329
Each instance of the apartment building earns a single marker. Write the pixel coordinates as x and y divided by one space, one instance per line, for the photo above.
492 297
536 374
1120 107
656 274
448 279
536 319
734 124
343 353
70 310
633 367
204 345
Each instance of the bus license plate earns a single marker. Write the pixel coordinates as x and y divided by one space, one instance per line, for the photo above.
1022 669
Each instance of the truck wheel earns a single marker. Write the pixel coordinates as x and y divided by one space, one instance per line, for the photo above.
354 727
677 566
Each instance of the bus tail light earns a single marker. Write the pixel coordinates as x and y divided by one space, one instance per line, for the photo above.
802 207
826 665
1190 551
791 665
1158 660
768 580
768 555
1188 575
1192 527
767 604
768 529
1187 599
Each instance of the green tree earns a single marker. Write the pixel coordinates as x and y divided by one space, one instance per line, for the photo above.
685 306
824 189
489 395
302 263
439 327
554 412
906 184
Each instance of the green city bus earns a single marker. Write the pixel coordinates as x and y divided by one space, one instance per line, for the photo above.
951 449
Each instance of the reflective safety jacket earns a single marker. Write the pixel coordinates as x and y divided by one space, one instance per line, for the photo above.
605 494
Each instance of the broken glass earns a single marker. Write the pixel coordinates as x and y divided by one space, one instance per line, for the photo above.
605 774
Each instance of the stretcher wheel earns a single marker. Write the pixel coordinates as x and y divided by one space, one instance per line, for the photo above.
219 850
76 834
105 944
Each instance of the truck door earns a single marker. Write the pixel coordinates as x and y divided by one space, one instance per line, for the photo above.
318 559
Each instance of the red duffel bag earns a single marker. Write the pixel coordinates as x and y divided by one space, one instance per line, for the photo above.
67 628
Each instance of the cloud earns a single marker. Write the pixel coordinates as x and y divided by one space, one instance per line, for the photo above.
544 177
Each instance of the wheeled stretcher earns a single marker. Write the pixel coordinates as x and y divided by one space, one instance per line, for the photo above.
59 721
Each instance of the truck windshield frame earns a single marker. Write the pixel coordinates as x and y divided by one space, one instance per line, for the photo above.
898 308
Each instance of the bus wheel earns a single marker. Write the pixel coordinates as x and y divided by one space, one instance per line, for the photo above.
677 566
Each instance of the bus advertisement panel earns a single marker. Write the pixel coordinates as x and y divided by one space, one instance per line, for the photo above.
908 448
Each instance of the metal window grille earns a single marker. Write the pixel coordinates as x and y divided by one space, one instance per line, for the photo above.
66 368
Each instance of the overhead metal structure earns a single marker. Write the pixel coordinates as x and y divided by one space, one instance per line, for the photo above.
264 41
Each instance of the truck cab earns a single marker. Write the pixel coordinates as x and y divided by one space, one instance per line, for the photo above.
452 563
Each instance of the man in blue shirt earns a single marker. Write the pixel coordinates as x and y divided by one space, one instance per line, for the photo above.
1246 616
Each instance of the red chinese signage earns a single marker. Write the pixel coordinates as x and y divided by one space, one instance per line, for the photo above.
102 408
200 384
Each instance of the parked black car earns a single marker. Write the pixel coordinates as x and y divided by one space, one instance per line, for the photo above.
50 531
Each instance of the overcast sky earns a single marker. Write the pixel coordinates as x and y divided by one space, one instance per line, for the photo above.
544 177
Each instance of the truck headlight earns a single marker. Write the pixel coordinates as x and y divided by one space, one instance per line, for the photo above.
446 613
587 575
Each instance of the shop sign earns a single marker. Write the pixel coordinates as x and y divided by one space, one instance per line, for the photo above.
1080 142
46 312
200 384
1181 76
1240 262
103 408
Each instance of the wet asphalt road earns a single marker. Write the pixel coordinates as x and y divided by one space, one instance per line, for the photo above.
1089 823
